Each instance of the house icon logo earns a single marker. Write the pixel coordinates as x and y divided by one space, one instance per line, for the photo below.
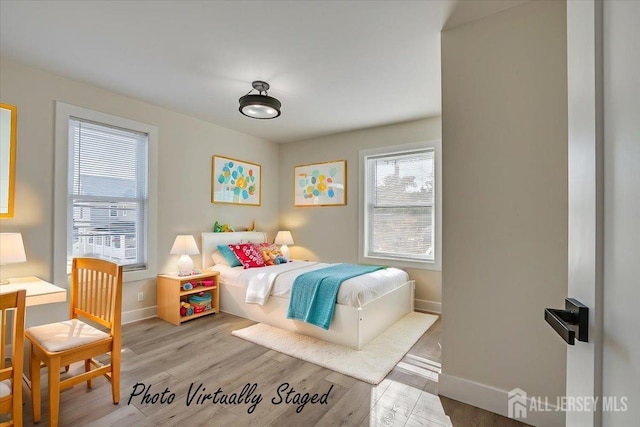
517 402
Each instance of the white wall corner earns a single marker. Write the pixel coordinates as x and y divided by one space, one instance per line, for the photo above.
139 314
428 306
497 401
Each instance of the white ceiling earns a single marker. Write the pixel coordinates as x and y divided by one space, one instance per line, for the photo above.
334 65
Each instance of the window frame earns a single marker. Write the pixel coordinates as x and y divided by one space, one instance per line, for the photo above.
364 200
64 112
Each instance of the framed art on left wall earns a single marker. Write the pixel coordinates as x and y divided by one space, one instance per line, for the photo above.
235 181
8 114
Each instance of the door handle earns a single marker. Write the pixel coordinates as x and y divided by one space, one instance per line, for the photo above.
572 321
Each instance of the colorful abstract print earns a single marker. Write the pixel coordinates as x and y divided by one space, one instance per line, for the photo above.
317 184
239 179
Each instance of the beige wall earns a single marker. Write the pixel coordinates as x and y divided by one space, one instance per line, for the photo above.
186 146
504 126
331 233
185 149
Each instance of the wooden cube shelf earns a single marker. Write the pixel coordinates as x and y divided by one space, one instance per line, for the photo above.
171 293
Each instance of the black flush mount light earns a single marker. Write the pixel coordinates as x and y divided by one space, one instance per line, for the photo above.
260 106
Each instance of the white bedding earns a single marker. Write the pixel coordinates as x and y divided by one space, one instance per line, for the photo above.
277 280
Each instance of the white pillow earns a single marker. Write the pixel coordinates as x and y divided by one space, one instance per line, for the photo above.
218 258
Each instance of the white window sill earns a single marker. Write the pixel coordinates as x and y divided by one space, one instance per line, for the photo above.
127 276
400 263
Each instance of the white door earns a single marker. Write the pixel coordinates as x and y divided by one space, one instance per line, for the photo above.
604 209
621 299
584 360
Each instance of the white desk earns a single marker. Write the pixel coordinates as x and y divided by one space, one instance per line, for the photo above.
38 291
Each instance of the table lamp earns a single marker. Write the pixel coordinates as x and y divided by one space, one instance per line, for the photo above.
11 250
284 238
185 245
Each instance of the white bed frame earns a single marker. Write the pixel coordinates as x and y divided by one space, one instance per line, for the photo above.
351 326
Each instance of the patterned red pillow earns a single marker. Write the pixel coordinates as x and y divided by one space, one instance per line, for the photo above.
249 256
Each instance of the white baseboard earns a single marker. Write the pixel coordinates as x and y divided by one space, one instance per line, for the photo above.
147 312
139 314
429 306
495 400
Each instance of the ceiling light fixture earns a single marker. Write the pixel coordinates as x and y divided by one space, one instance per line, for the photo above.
260 106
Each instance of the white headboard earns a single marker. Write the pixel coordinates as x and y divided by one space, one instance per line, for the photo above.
210 242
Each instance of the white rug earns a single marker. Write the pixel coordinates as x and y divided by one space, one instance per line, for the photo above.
371 364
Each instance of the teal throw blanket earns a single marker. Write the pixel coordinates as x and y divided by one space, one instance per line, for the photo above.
313 295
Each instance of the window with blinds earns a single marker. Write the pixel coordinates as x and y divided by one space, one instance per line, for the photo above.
399 214
107 193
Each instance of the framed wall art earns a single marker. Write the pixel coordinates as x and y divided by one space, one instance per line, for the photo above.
235 181
321 184
8 114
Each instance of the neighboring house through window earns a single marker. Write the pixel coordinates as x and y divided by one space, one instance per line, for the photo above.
400 210
105 165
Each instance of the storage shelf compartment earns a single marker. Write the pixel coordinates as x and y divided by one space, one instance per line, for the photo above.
196 315
198 290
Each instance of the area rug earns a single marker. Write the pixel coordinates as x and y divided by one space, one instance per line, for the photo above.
371 364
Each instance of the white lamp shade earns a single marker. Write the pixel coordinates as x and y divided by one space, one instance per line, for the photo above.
284 238
11 248
184 244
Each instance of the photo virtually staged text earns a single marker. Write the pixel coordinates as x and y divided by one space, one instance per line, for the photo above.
198 395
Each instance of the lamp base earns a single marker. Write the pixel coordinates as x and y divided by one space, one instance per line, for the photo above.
185 265
284 249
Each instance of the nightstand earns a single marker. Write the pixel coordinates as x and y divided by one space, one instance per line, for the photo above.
173 290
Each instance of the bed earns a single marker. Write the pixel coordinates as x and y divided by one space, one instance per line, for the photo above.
358 318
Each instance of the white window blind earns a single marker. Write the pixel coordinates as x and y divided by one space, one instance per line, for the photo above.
107 193
400 191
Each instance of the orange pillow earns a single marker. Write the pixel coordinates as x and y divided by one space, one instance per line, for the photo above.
269 252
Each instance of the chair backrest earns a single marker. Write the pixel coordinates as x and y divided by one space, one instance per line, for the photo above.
96 292
15 329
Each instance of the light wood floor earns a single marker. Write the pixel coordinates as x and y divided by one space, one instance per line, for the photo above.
203 351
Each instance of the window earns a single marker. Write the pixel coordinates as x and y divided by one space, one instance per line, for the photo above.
107 172
399 215
109 168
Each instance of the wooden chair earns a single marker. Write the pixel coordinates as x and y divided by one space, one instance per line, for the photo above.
11 377
96 296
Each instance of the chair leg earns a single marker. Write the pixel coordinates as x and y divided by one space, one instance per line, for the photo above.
34 372
54 391
116 359
16 413
87 368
